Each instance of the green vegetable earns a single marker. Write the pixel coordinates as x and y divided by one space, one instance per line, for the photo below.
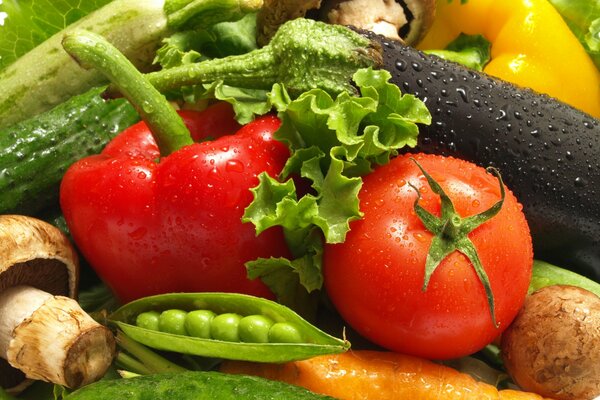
303 55
299 339
21 28
34 154
229 327
192 385
172 321
136 27
472 51
255 329
545 274
583 17
225 327
198 322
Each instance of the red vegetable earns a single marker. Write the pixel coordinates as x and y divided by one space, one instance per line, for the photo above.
151 225
376 277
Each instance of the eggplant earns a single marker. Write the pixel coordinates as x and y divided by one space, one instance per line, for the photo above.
547 152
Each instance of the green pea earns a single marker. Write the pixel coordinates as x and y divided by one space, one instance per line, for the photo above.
284 332
225 327
198 322
172 321
255 329
148 320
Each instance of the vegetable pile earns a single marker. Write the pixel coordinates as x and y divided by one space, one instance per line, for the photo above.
253 189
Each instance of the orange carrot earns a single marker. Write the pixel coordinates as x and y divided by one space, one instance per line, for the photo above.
361 375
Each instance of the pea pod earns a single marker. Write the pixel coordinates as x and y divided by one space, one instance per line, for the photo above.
314 341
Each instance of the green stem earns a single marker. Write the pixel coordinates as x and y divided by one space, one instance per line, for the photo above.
93 51
199 13
303 55
131 364
151 360
253 70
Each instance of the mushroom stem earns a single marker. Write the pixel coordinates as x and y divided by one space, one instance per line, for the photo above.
51 338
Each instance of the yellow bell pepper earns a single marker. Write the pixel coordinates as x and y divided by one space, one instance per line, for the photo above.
531 46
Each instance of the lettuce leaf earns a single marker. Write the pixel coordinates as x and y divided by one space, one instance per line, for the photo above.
25 24
472 51
333 143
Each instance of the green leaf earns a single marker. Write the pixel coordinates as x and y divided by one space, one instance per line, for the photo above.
221 40
25 24
295 282
472 51
333 142
338 203
583 18
179 49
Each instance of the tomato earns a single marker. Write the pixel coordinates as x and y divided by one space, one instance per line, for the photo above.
375 278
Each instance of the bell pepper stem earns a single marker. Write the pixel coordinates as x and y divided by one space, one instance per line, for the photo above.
93 51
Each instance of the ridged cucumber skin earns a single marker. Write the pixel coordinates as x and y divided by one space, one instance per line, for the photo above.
193 385
35 154
47 76
547 152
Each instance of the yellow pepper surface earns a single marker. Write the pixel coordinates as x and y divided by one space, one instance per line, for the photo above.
531 46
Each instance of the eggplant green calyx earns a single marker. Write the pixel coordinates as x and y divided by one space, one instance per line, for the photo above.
303 55
451 233
93 51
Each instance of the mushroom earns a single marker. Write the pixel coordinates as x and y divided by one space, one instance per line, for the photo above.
553 345
275 13
45 335
406 20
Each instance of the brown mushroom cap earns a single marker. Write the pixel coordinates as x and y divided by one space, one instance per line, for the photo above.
553 346
37 254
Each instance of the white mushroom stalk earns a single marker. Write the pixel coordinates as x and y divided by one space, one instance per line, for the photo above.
44 333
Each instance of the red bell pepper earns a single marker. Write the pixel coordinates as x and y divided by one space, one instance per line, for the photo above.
151 223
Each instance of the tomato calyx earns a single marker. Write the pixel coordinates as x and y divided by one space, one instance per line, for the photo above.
451 233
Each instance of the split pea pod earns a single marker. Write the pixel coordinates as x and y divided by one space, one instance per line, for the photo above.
224 325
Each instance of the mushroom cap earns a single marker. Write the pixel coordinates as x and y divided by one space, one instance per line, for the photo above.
406 20
37 254
553 345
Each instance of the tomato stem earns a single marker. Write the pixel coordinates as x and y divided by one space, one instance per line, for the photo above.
451 234
93 51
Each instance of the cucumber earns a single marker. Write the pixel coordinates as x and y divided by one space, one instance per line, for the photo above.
47 76
547 152
35 154
192 385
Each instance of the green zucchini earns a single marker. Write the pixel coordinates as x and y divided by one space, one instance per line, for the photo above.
192 385
47 76
34 154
